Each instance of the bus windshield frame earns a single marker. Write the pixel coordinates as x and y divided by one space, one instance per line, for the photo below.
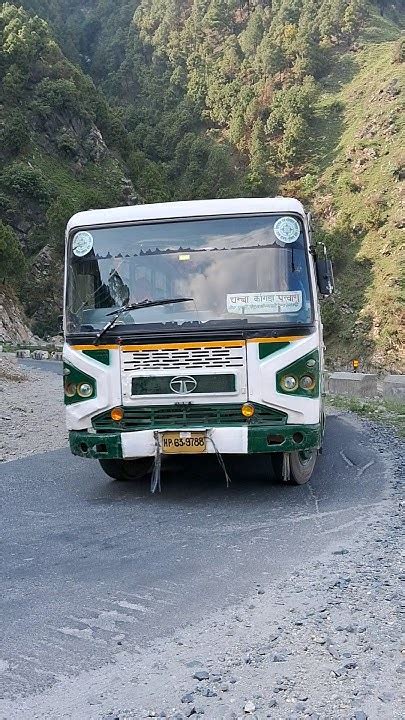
245 304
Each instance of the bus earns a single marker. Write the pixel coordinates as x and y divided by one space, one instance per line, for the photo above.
194 328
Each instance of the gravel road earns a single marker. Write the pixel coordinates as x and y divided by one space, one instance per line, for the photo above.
31 407
257 601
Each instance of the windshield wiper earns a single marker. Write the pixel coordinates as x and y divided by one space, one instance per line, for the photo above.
135 306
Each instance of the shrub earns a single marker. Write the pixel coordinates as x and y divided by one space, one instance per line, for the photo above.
25 180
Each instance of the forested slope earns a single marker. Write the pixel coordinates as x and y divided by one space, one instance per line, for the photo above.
225 98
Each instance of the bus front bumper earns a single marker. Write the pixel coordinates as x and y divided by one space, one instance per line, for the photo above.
227 440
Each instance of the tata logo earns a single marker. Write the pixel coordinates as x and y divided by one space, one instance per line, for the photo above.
183 385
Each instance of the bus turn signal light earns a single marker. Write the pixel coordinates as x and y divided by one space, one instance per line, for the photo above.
247 410
117 414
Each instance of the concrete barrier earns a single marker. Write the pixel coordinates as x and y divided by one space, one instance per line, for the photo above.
40 355
363 385
23 353
394 387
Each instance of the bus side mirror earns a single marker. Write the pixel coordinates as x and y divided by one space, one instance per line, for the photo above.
324 274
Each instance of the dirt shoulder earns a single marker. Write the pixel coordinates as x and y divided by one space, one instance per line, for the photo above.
31 410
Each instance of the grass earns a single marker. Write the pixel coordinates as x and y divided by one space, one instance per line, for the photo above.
391 412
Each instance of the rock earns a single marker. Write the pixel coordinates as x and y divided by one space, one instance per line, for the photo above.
386 697
332 651
272 702
360 715
191 711
279 657
201 675
249 707
188 698
207 692
351 665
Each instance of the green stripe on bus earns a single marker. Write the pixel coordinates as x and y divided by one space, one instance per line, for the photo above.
102 356
266 349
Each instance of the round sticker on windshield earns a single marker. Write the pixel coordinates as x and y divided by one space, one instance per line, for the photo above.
287 229
82 243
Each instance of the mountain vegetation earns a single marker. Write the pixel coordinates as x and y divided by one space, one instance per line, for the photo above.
105 103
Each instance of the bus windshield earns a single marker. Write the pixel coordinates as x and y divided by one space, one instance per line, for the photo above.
246 270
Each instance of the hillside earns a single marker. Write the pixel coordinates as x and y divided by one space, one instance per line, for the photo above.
54 160
359 199
220 98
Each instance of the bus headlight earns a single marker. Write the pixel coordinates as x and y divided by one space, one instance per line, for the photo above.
70 390
85 390
302 377
289 383
307 382
78 385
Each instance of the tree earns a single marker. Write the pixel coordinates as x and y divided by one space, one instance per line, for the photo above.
15 134
12 261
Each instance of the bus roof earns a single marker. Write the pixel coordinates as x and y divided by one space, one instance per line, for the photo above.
189 208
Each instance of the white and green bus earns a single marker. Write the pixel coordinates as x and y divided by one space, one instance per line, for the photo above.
194 327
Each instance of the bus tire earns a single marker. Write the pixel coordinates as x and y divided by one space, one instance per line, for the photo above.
127 470
302 463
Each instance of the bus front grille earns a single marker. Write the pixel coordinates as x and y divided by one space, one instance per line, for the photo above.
186 416
183 358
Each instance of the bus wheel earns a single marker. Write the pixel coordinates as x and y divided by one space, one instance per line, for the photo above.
127 469
302 465
298 469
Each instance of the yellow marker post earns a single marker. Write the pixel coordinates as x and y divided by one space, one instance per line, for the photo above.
355 363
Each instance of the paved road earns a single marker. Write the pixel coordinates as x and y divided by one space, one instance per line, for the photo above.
89 563
53 366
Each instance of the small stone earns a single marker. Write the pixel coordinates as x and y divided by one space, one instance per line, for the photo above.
207 692
249 707
340 551
279 657
351 665
386 697
332 651
272 702
201 675
260 592
233 680
191 711
187 698
360 715
320 640
224 688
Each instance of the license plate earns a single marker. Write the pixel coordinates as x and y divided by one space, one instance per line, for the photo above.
183 442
